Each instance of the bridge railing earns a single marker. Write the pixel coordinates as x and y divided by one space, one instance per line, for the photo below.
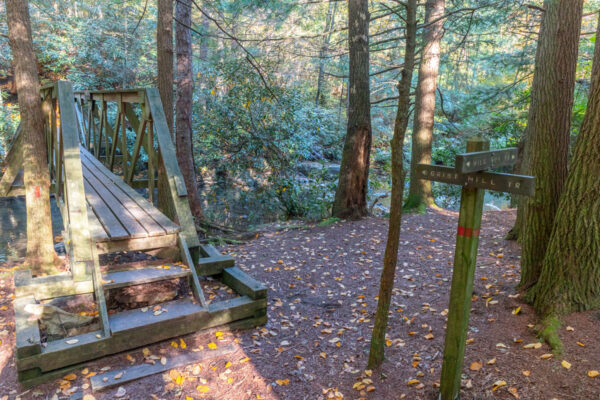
127 130
64 163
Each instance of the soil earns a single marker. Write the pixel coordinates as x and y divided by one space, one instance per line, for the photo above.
323 282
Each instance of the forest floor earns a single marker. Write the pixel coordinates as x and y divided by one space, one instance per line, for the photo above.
323 282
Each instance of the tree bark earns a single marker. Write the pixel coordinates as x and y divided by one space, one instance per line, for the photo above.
570 275
164 57
420 195
329 22
549 127
185 94
41 257
351 194
376 353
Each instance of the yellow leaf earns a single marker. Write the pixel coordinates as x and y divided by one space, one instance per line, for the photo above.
412 382
516 310
358 386
368 372
146 352
174 344
476 366
229 380
212 346
244 360
498 384
85 371
202 389
514 392
299 357
388 342
90 375
323 355
182 344
180 379
283 382
546 356
219 334
429 336
70 377
370 388
492 361
593 373
227 364
565 364
129 358
580 344
526 372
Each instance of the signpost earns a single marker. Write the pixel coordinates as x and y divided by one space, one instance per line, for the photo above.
470 174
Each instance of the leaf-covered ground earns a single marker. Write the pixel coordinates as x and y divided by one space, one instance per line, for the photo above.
323 283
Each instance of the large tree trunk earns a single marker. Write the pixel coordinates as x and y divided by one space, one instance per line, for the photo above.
376 353
40 246
548 127
570 276
351 195
329 22
185 94
420 195
164 57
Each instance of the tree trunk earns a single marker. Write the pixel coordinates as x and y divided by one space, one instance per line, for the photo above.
570 275
164 57
41 257
521 167
185 94
351 195
376 353
420 195
549 127
329 22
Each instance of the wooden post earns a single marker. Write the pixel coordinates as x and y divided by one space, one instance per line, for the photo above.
465 257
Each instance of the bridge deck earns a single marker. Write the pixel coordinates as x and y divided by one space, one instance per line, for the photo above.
120 218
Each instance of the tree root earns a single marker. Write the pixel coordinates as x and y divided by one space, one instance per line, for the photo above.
548 331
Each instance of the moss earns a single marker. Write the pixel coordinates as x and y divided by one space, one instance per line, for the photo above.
414 204
329 221
548 331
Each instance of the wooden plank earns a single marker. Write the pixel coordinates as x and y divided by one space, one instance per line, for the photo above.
27 330
119 377
159 217
43 289
99 293
483 160
187 259
128 206
59 354
465 258
137 244
243 283
96 229
114 280
508 183
214 265
169 158
122 213
109 221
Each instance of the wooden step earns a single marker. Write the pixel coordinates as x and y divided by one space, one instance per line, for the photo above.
119 279
174 313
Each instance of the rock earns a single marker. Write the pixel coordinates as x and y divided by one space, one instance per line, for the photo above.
57 321
308 168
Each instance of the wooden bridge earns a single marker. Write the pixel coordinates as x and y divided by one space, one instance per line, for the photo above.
106 149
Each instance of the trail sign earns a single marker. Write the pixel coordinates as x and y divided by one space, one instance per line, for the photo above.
482 160
471 175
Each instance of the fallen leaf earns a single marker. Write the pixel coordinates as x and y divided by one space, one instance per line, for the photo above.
118 376
593 373
412 382
498 384
202 389
429 336
85 371
565 364
323 355
536 345
72 341
146 352
212 346
219 334
526 372
514 392
476 366
121 392
283 382
70 377
163 360
182 344
492 361
244 360
175 344
229 380
580 344
570 329
546 356
89 397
